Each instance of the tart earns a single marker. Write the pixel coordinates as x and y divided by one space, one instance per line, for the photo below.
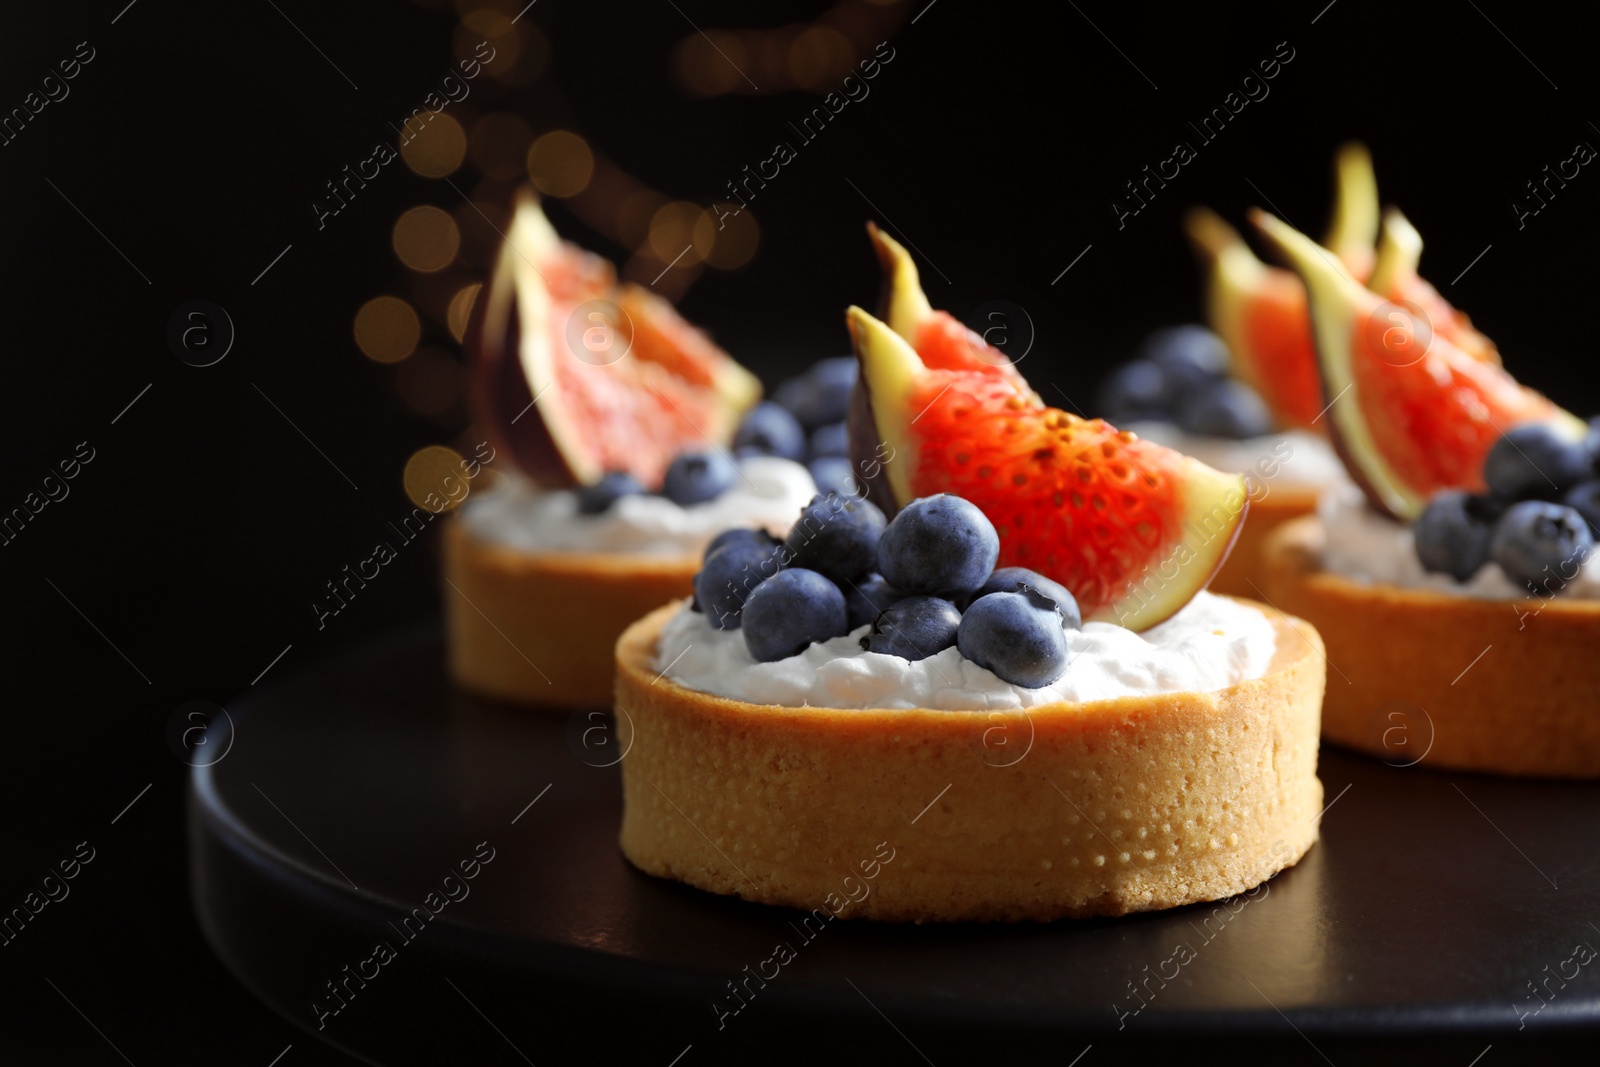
945 708
632 440
1420 676
1458 588
1118 806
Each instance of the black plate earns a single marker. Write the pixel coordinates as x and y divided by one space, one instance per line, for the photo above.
1429 911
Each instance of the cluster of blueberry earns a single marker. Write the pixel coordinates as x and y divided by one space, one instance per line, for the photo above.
692 478
805 421
1181 376
1538 521
925 582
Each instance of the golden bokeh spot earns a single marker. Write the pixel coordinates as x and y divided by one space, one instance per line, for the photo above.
819 57
634 214
438 149
435 480
560 163
499 143
704 70
488 20
461 309
426 238
505 42
730 238
533 54
387 329
430 383
673 234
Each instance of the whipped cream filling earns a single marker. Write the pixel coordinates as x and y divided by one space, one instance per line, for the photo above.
1368 547
1293 459
1212 643
769 493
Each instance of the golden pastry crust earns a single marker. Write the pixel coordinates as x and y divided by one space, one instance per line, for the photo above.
1243 573
1070 809
1418 676
539 627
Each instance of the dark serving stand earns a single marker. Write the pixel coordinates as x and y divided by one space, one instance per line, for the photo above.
1425 916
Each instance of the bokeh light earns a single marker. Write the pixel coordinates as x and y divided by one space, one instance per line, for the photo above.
818 58
673 236
634 214
438 149
734 244
387 329
499 143
560 163
706 63
461 309
426 238
434 477
430 383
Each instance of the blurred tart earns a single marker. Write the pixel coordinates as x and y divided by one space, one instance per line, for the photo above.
620 421
1458 588
1418 675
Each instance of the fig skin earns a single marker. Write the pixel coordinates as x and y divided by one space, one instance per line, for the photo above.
865 457
500 394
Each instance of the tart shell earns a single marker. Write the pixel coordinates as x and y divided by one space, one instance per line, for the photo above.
1418 676
1068 809
539 628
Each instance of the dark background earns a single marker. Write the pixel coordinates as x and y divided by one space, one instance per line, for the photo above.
199 134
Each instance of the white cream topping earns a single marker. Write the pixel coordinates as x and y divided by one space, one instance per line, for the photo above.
1294 459
769 493
1369 547
1211 644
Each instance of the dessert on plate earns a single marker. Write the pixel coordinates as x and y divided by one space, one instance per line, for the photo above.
621 422
1457 589
1003 694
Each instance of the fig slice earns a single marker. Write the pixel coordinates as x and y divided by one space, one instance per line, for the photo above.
1133 529
1410 413
1395 276
574 376
1260 311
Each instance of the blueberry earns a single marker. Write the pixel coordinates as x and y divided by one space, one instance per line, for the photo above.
833 474
729 576
740 534
612 487
832 439
1452 535
1225 408
938 545
695 477
1018 636
791 393
822 394
1007 580
1584 498
789 611
914 628
867 597
1134 391
771 430
1534 461
1188 357
836 536
1538 543
1591 445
